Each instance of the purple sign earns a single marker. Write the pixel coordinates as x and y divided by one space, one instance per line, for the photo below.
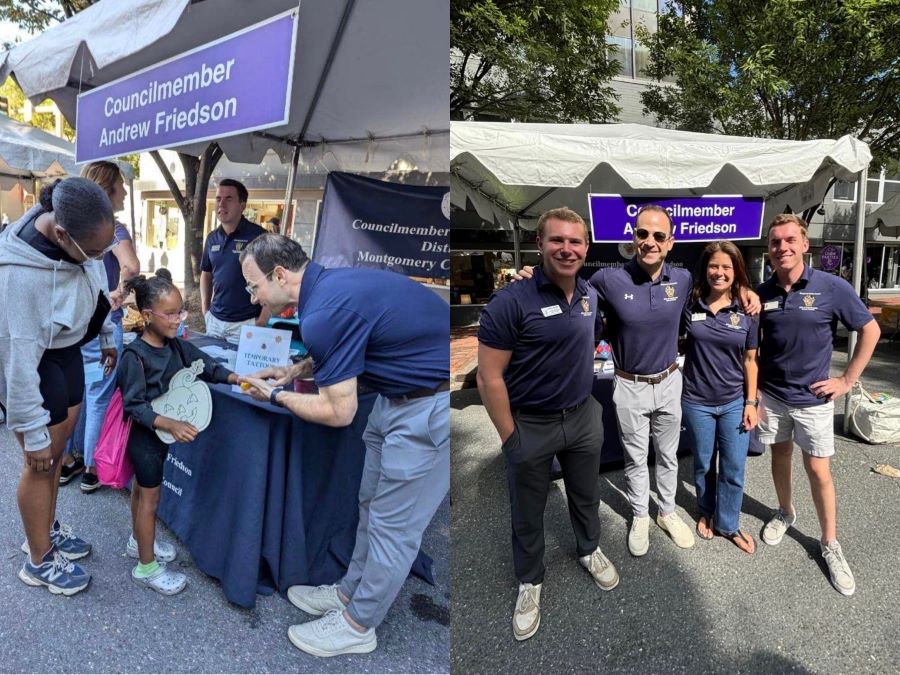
830 258
238 83
705 218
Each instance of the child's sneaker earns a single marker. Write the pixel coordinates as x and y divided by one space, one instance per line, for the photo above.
162 551
59 574
65 541
163 580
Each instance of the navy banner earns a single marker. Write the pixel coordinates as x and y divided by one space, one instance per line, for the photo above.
371 223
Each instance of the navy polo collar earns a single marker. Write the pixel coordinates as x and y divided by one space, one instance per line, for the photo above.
242 228
802 282
310 277
542 281
734 306
639 275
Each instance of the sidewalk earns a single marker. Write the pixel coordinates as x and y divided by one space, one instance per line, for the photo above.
710 608
463 357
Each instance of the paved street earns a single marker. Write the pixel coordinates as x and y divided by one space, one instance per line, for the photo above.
706 609
116 626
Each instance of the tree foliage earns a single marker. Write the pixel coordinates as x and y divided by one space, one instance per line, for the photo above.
789 69
34 16
541 61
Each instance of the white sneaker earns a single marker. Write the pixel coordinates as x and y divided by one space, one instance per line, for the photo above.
527 615
315 600
677 529
162 581
603 571
332 635
774 530
162 551
639 536
838 569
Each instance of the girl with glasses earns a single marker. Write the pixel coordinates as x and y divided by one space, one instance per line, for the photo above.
145 371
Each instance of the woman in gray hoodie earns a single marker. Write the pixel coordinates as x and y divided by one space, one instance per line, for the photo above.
55 300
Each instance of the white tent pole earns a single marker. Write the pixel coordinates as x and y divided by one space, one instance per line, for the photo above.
881 267
131 204
859 258
289 194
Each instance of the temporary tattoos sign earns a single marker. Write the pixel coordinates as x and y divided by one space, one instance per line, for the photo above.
261 348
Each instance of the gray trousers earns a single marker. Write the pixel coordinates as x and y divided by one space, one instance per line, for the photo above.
644 411
576 439
405 478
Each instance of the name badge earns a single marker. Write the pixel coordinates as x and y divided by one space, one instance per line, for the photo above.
215 247
698 316
552 310
770 305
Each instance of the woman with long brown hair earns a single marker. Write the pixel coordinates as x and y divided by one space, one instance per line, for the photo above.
719 396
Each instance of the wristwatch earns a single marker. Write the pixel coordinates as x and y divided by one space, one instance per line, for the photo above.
274 395
752 401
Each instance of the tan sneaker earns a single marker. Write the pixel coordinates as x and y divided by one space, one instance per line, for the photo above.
639 536
673 524
838 569
603 571
527 616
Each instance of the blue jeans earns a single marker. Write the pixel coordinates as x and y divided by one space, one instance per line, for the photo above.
718 432
96 400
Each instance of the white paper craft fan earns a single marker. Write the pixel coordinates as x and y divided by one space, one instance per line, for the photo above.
188 400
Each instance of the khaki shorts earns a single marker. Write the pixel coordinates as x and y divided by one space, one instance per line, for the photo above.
811 428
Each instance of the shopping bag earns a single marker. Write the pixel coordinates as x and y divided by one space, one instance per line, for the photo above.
110 456
875 418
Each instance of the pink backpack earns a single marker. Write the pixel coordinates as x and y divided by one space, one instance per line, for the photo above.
110 457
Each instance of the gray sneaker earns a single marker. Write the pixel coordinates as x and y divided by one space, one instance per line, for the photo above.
603 571
162 551
331 635
527 615
163 580
315 600
774 530
639 536
676 528
841 576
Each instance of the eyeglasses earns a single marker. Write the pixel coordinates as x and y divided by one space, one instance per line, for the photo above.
659 237
251 288
98 256
180 315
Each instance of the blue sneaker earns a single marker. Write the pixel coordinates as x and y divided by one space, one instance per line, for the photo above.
59 574
64 540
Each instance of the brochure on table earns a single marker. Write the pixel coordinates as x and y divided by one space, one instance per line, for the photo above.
261 348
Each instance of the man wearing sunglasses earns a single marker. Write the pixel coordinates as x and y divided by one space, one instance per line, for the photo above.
224 299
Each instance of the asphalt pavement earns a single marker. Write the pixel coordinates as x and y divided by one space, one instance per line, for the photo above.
709 609
116 626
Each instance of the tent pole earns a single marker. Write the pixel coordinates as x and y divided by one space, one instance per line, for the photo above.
131 204
287 229
859 259
517 246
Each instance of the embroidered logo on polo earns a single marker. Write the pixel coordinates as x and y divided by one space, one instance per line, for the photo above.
629 296
809 300
239 245
734 321
670 292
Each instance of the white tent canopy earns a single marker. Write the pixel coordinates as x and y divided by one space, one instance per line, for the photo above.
886 218
514 172
370 77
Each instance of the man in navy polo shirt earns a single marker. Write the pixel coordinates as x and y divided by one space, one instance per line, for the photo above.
800 308
643 302
392 335
224 301
535 374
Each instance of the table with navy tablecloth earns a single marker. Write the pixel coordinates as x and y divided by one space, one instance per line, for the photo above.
264 500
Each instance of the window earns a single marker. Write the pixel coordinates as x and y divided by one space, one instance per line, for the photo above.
844 191
878 190
622 54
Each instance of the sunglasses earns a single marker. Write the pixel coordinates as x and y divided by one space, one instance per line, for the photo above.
659 237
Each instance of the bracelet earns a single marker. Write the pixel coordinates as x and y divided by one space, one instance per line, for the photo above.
274 395
752 401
